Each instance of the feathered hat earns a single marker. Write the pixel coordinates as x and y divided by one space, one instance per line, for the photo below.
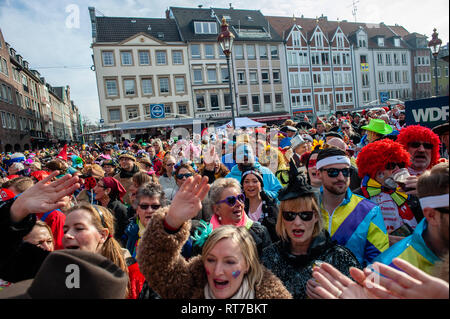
297 186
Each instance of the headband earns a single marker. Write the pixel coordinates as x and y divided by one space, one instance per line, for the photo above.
256 173
340 159
434 201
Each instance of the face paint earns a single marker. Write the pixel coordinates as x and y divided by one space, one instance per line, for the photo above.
236 274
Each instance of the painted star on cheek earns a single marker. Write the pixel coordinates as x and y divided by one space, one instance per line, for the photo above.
236 274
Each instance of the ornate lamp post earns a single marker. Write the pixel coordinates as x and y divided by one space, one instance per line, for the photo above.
225 40
435 46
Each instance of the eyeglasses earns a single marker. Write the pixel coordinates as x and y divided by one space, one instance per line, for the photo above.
146 206
231 200
392 165
290 216
180 176
334 172
427 146
346 128
170 164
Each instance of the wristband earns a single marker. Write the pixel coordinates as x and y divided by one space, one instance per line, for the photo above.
169 228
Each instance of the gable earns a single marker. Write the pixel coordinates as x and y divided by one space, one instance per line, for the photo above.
142 39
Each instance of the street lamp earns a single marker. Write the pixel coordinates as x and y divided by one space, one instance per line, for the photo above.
435 46
225 40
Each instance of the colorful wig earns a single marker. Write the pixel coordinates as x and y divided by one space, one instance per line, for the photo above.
374 157
418 133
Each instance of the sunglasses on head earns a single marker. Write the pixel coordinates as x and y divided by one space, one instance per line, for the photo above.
392 165
187 175
146 206
290 216
334 172
427 146
231 200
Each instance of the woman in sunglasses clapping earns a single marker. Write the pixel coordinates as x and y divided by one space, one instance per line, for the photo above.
304 243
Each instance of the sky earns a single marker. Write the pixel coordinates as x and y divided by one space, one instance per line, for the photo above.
54 36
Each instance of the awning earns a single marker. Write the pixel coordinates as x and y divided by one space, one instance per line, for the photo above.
306 110
158 123
271 118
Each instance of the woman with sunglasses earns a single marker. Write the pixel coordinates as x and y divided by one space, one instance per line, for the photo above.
166 175
303 240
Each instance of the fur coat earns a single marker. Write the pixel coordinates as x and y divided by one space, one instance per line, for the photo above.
171 276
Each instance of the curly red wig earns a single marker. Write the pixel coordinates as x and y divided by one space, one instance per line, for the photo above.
418 133
374 157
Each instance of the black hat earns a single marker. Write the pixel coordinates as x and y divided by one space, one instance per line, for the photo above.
441 129
303 125
334 134
297 186
288 128
72 274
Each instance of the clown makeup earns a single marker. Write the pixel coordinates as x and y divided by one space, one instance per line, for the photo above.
225 265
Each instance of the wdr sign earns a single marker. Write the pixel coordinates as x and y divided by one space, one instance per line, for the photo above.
427 112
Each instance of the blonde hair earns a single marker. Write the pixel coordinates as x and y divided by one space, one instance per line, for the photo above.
219 185
40 223
306 203
434 182
241 237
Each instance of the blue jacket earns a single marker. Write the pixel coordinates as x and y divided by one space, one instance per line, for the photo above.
228 161
271 183
413 249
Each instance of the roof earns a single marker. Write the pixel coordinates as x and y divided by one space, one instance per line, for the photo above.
398 29
116 29
240 19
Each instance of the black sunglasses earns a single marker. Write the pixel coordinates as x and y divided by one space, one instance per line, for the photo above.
427 146
231 200
392 165
290 216
180 176
334 172
145 206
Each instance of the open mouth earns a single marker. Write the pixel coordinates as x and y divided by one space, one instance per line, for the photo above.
220 284
298 232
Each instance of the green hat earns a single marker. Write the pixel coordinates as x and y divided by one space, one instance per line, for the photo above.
378 126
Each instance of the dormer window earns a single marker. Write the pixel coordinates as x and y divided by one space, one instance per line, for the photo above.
397 42
205 27
362 43
381 42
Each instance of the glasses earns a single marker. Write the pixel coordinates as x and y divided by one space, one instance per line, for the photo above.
346 128
290 216
145 206
427 146
392 165
170 164
334 172
181 176
231 200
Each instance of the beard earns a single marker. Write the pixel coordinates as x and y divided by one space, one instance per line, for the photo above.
336 189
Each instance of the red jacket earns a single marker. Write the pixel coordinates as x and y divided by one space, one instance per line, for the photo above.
136 281
55 220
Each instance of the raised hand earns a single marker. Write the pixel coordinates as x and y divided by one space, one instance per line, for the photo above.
187 201
44 196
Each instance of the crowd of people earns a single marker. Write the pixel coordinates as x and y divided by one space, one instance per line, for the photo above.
353 205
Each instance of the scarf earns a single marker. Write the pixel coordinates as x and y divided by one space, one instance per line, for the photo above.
371 187
140 234
245 221
126 174
244 292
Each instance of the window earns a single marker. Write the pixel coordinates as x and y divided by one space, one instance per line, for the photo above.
238 52
306 98
168 109
404 62
195 51
315 58
340 41
225 76
255 103
114 115
396 42
303 58
182 109
253 77
346 58
349 97
278 100
241 77
438 72
227 100
4 67
388 59
405 76
446 71
317 78
276 76
336 58
251 55
144 58
132 113
339 98
274 52
209 51
108 58
397 77
177 57
198 77
200 102
389 76
319 40
126 58
396 60
325 58
293 80
147 86
380 59
381 42
381 77
161 57
337 78
8 120
267 99
265 76
111 88
243 101
292 57
212 76
306 79
262 52
214 102
363 59
205 27
296 38
164 85
365 80
130 87
366 96
180 86
4 119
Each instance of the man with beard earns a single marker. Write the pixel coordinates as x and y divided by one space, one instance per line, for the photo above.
430 242
245 160
353 221
128 168
423 146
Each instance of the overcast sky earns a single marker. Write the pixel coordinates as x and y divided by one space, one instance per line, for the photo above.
47 36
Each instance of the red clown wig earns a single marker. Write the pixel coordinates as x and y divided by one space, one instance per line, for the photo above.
374 157
418 133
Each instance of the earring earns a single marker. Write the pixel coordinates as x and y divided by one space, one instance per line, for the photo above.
219 218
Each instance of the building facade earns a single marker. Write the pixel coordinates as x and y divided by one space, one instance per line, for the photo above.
442 72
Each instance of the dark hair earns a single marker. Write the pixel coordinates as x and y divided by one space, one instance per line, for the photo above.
151 190
186 166
328 152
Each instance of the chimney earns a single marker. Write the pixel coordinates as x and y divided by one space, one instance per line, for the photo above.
231 6
167 14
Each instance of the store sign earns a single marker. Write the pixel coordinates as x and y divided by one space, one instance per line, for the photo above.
157 111
427 112
214 114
